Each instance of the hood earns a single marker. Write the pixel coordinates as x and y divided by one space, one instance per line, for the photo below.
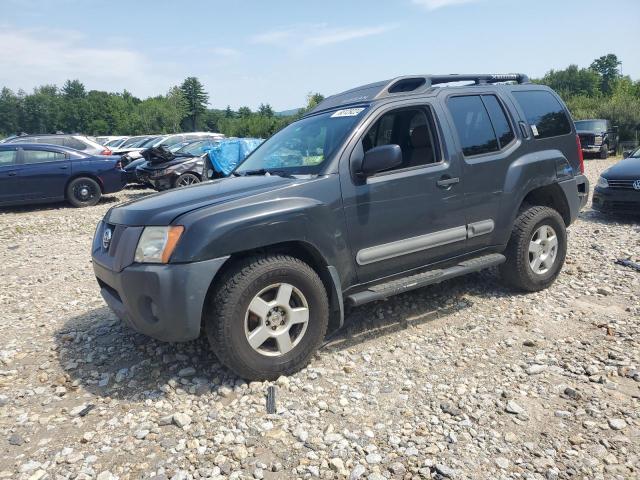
627 169
162 208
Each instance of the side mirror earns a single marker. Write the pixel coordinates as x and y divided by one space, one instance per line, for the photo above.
626 154
381 158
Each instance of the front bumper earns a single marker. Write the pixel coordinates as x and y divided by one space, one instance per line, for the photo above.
616 200
161 301
159 183
592 148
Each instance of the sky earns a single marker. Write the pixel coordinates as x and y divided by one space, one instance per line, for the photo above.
277 51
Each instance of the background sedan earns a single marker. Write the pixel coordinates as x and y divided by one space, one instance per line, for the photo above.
618 188
37 173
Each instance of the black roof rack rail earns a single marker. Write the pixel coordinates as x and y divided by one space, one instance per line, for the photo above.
415 83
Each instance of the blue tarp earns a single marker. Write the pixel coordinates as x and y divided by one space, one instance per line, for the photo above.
228 152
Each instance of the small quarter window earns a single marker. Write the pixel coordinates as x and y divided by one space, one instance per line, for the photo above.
544 113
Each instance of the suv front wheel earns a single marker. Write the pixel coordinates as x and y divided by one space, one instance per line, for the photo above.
536 250
267 317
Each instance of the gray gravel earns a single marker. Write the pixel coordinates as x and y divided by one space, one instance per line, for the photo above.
460 380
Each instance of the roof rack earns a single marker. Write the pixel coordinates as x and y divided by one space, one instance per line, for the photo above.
414 83
411 84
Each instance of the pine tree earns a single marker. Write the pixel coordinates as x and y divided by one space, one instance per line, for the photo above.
196 99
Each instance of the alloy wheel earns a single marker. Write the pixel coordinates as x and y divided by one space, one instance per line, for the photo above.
276 319
543 249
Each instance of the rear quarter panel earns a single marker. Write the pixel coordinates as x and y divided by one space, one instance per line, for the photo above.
103 168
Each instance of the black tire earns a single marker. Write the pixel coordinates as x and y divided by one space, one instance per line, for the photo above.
517 270
186 179
83 192
227 309
604 152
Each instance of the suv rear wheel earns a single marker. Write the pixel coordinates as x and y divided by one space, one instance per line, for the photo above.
267 317
536 250
83 192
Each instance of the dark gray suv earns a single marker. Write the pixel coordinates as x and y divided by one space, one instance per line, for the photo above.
379 190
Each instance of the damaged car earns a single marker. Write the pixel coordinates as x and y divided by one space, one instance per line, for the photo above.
164 169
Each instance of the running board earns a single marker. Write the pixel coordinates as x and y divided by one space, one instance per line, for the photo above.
394 287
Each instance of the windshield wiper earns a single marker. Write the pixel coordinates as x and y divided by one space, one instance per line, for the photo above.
264 171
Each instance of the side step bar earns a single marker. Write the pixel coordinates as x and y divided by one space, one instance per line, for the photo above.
394 287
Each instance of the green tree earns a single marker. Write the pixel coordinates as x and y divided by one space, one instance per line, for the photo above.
10 106
313 99
607 67
265 110
73 89
244 112
176 108
196 99
573 81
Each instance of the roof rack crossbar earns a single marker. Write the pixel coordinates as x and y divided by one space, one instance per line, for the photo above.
479 79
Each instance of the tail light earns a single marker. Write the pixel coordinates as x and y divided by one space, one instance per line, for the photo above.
106 151
580 155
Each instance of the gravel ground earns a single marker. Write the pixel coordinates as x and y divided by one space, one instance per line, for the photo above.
466 379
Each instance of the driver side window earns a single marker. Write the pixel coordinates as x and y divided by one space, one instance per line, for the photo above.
410 128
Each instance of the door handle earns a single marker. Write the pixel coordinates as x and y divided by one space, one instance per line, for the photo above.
11 174
62 168
447 182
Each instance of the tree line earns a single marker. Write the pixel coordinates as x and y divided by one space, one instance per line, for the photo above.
599 91
73 109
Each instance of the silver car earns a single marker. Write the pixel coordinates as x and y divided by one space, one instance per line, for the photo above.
77 142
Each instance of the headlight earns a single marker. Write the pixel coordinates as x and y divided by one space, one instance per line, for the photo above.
598 139
602 182
156 244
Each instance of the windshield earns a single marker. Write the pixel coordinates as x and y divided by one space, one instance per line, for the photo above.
635 154
303 147
133 140
115 143
148 142
591 125
194 148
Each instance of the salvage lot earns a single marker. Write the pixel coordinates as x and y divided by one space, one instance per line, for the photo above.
464 379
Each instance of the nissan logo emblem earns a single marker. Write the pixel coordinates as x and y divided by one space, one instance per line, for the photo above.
106 238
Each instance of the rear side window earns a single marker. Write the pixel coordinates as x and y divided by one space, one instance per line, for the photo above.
544 113
473 125
75 143
7 157
41 156
501 125
52 140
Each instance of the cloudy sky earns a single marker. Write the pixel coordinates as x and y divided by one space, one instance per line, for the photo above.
249 52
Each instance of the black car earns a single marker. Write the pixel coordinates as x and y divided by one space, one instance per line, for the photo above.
618 188
597 136
185 166
379 190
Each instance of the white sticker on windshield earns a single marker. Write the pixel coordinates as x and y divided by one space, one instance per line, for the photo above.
534 129
347 112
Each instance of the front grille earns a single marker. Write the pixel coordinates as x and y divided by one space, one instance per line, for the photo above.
587 139
627 184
